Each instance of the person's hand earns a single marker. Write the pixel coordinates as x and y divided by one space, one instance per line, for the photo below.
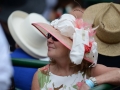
84 86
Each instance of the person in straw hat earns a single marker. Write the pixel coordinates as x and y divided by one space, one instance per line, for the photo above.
107 35
108 32
73 57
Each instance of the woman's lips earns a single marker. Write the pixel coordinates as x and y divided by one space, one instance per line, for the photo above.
49 48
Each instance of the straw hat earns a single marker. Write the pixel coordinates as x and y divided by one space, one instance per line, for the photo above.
25 35
107 17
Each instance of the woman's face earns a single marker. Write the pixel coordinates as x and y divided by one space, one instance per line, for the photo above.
56 49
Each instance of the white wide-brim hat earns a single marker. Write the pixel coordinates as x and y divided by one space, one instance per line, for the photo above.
25 35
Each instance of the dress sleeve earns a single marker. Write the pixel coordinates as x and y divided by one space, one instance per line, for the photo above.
43 75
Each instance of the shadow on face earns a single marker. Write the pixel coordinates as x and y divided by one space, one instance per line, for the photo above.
57 50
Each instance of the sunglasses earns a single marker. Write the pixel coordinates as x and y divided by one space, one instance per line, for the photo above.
50 36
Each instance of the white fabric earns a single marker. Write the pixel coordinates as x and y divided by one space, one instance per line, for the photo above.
65 25
81 36
6 70
67 82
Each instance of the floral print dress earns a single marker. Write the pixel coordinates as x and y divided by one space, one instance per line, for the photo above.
50 81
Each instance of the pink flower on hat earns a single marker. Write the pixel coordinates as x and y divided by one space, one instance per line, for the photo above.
80 24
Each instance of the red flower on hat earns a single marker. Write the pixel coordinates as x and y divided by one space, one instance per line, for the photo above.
88 48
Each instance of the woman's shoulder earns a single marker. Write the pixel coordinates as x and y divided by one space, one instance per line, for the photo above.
44 69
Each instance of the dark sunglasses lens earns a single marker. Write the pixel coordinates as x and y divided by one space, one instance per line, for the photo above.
48 35
53 38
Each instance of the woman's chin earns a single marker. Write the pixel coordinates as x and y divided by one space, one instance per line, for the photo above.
50 54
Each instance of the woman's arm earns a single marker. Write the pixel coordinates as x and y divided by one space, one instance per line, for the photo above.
35 83
105 74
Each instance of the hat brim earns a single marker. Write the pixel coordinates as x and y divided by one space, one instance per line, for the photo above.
37 50
107 49
103 48
45 28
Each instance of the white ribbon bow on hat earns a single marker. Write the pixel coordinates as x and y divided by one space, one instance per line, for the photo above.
80 37
67 26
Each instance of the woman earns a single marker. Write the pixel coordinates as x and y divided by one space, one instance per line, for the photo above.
73 54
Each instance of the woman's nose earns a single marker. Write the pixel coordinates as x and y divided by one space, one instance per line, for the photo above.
50 40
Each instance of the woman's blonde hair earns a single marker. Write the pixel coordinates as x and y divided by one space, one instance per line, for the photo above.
83 67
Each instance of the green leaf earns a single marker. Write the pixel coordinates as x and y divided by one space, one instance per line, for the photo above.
75 86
